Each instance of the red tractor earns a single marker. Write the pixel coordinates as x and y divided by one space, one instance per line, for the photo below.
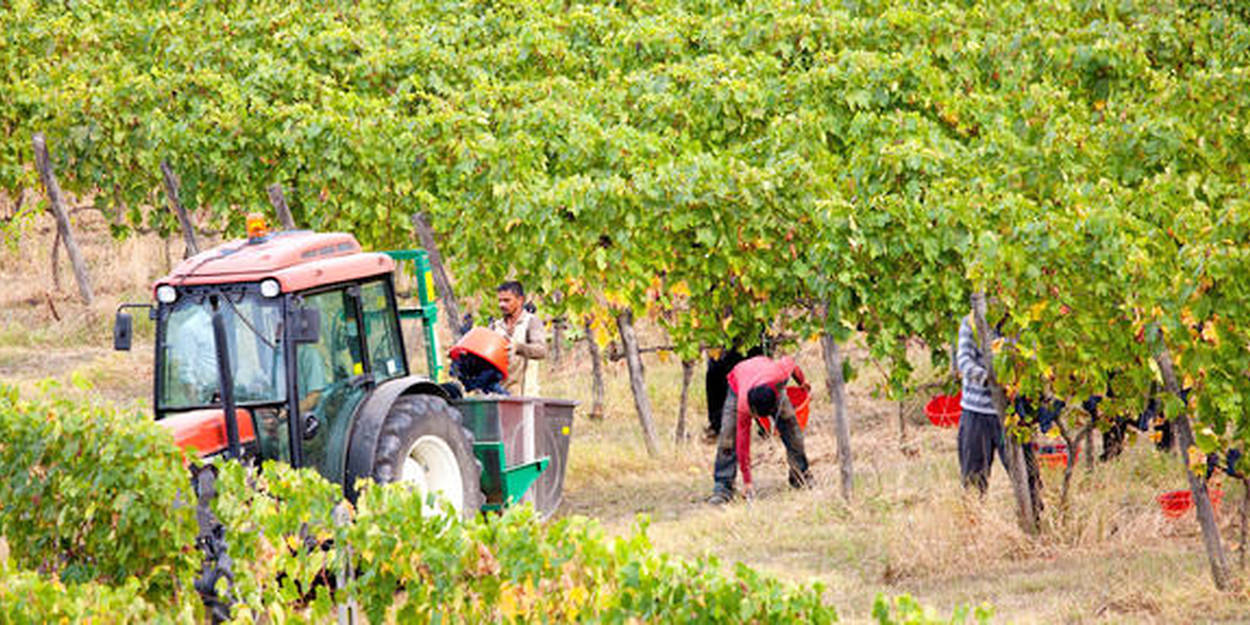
288 346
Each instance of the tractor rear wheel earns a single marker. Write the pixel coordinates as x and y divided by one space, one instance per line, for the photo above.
424 444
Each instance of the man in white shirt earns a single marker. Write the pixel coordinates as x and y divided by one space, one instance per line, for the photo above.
527 339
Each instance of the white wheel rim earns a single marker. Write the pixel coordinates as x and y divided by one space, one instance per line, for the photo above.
431 467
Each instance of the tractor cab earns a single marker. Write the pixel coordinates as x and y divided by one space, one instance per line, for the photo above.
288 346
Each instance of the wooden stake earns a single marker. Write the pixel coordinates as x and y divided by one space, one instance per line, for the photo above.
175 204
687 374
1245 512
596 362
1026 512
835 383
557 340
56 261
637 380
446 295
278 200
44 165
1197 485
51 306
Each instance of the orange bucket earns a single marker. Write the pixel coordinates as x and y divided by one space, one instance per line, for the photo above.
802 403
485 344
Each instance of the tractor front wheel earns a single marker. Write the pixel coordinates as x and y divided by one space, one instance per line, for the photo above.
424 444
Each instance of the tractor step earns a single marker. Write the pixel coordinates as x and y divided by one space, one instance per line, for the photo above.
505 486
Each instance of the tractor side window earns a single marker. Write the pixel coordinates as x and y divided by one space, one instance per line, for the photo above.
382 331
336 358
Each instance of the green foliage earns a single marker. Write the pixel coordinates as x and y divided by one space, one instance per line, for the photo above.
722 167
110 538
90 494
510 568
30 598
904 610
719 167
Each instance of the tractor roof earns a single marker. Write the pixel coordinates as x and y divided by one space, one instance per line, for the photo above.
297 259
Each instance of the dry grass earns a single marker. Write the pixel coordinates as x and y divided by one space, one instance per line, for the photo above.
1110 558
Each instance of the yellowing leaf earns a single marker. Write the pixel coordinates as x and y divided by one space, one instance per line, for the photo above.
508 605
1210 334
1154 368
615 299
1197 459
576 599
1036 310
1187 317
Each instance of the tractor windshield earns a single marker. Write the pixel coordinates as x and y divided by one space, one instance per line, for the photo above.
188 358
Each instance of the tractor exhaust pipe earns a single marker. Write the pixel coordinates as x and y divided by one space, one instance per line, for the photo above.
225 378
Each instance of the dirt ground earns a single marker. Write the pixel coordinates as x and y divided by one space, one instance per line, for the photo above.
909 528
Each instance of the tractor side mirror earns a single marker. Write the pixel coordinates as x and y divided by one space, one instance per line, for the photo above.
306 326
123 331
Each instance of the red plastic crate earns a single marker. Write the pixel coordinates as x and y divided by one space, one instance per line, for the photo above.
1176 503
1054 454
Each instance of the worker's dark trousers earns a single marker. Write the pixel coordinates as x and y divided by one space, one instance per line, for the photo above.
717 384
980 437
726 468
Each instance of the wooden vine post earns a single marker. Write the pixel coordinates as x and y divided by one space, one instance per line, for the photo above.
637 380
1197 485
446 295
687 374
44 164
1026 511
278 199
835 383
557 340
596 369
175 204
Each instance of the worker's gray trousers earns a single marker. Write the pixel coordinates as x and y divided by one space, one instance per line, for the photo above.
726 468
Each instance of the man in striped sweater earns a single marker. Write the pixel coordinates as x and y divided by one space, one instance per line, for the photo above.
980 428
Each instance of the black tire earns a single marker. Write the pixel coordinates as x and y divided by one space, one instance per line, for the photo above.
414 416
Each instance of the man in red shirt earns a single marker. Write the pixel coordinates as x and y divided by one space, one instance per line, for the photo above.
757 391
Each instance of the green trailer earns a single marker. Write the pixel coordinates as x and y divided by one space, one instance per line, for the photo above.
521 443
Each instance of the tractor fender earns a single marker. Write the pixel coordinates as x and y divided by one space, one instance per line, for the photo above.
367 425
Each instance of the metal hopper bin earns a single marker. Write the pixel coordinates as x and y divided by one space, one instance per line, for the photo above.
523 445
